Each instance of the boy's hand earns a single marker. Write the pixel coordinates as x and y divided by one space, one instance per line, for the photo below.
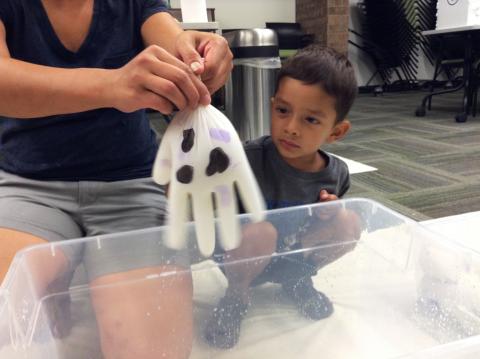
335 237
328 212
324 196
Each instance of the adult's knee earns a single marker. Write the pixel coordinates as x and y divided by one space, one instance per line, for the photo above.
145 313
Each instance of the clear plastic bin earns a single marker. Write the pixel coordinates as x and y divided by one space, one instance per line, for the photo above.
392 295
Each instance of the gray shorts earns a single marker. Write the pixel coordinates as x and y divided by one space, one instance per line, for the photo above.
58 210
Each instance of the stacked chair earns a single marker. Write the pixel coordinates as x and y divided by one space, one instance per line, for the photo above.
391 36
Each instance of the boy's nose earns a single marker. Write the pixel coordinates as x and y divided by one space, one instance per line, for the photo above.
292 127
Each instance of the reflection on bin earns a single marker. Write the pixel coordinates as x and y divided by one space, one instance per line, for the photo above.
252 82
391 297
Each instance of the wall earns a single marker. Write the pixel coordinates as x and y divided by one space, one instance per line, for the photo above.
235 14
327 20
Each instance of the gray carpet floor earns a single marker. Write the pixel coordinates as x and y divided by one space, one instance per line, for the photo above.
428 167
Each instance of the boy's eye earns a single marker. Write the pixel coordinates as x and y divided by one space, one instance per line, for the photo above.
282 110
312 120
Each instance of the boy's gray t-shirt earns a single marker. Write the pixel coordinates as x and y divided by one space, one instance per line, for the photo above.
284 186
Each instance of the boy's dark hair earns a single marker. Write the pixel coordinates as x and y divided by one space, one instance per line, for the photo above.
327 68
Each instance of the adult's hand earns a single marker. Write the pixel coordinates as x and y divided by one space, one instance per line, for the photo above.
158 80
208 55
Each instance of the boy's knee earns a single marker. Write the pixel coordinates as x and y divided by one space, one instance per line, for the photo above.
349 225
260 237
262 230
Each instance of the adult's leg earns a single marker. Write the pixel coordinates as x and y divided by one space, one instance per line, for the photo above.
145 313
31 213
142 311
49 274
42 265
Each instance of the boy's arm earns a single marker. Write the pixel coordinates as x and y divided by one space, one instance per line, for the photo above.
335 228
335 237
324 196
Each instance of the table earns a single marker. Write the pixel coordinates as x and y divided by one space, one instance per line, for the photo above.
463 228
466 34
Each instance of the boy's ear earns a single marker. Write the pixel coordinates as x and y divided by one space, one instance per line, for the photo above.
339 131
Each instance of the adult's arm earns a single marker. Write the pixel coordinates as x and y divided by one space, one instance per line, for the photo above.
153 79
28 90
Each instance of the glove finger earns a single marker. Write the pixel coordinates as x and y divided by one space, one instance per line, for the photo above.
204 225
227 210
178 216
162 167
252 197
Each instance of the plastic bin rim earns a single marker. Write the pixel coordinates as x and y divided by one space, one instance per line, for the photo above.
407 220
191 223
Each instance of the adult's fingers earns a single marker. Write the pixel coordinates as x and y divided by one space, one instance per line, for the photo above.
190 55
184 79
218 77
156 102
218 66
168 90
217 52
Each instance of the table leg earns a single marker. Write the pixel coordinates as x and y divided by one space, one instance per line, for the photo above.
467 78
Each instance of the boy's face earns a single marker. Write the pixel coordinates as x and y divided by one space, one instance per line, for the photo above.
303 119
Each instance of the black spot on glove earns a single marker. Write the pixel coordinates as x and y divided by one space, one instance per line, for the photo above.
219 161
188 140
185 174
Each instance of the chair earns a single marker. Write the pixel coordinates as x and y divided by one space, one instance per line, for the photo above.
449 60
390 38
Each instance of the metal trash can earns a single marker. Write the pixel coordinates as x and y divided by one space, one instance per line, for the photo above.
252 82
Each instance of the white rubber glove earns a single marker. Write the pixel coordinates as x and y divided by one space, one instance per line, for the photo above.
201 154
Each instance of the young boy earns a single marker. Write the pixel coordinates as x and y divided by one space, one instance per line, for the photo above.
315 90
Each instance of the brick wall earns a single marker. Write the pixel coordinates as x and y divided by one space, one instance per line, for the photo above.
327 20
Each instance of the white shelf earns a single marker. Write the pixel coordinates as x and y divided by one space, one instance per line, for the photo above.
203 26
